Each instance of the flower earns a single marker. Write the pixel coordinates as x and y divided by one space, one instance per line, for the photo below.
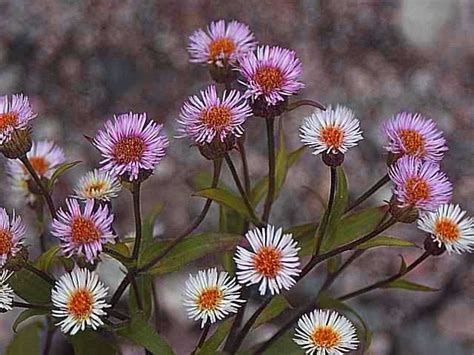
15 114
274 261
204 119
331 131
99 185
448 227
211 296
78 298
223 43
83 233
420 184
6 292
131 143
325 332
12 233
44 156
272 73
414 135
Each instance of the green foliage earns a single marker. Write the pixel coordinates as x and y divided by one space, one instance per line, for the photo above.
30 287
47 259
27 314
60 171
277 305
212 343
90 342
383 241
144 286
410 286
26 341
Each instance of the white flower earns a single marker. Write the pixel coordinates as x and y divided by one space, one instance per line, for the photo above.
78 297
273 261
325 332
331 130
210 296
99 185
6 292
448 227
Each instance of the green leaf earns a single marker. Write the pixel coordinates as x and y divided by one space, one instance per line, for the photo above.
89 342
190 249
230 221
383 241
211 345
284 345
30 287
277 305
411 286
144 285
26 314
142 333
26 341
46 260
60 171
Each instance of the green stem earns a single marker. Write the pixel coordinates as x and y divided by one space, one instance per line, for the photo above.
369 192
40 273
138 220
271 169
202 338
29 305
300 103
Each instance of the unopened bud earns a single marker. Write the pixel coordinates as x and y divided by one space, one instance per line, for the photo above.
403 214
18 261
18 145
261 108
217 149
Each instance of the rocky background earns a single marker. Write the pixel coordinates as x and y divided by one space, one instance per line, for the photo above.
81 61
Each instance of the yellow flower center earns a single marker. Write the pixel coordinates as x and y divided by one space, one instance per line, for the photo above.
7 120
40 165
416 190
413 142
221 46
129 150
269 78
209 299
446 230
6 243
267 262
217 117
94 189
84 231
80 304
325 337
332 136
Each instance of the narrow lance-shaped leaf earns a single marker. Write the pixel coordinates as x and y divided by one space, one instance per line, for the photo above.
384 241
27 314
60 171
410 286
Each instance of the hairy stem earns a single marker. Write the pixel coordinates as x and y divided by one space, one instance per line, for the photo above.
138 220
271 169
369 192
120 290
202 338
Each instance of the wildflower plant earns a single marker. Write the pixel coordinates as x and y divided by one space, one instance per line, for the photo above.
253 258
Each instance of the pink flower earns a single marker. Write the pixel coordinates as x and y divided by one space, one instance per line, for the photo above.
420 183
12 233
414 135
83 232
14 114
131 143
223 43
207 117
272 73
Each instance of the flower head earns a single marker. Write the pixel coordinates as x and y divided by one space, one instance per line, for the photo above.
15 114
6 292
272 73
131 143
12 234
211 295
273 261
99 185
223 43
203 119
44 156
83 232
414 135
325 332
420 184
331 131
78 298
448 227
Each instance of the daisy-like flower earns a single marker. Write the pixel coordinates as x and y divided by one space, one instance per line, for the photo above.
203 119
79 300
273 261
99 185
6 292
44 156
448 227
83 232
12 234
211 295
15 114
325 332
272 73
131 143
420 184
414 135
223 43
331 131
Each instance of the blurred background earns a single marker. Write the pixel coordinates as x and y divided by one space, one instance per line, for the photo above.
82 61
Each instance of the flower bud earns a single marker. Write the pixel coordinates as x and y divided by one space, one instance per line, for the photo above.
221 72
433 247
333 159
18 145
261 108
407 214
217 149
17 262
